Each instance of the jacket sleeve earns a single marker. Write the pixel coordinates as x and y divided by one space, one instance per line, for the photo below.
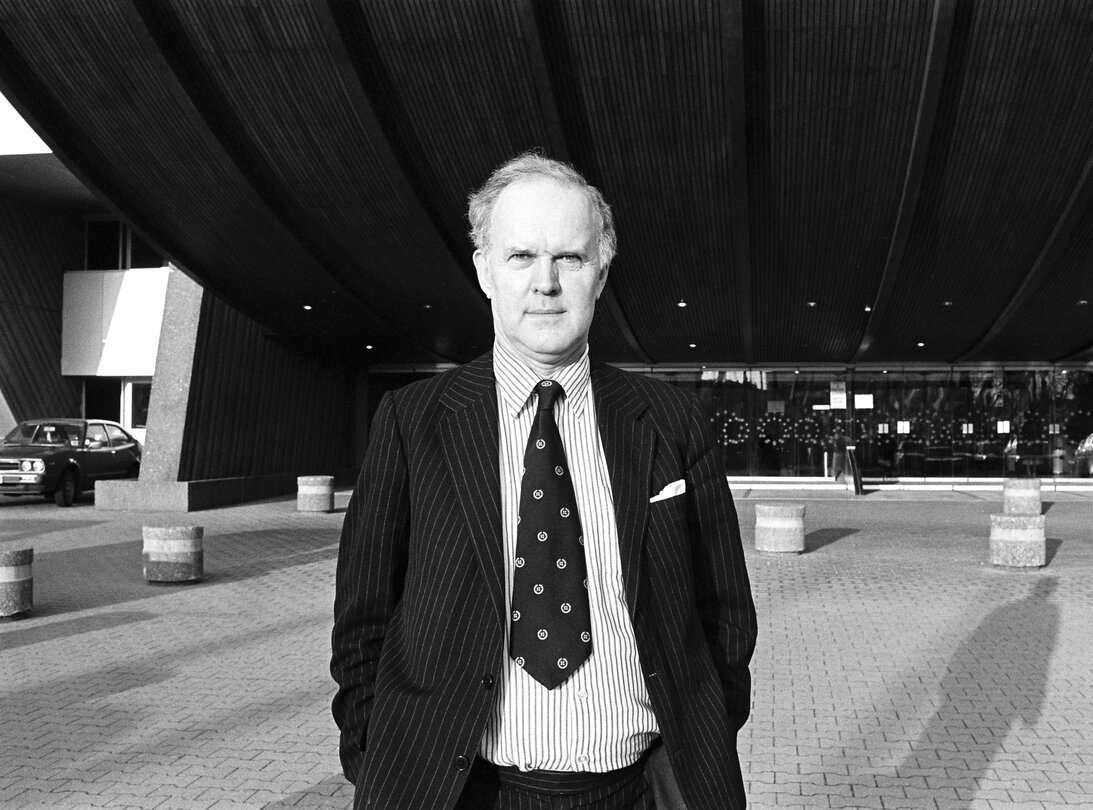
722 587
371 567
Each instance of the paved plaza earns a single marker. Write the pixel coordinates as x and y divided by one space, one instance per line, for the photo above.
896 668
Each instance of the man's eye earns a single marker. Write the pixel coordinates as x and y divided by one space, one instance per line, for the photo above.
569 261
521 258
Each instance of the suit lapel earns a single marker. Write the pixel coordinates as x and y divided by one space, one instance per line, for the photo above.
468 431
628 446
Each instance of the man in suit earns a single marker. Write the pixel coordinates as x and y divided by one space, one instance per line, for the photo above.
542 600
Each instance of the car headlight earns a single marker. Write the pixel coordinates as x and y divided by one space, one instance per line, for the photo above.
32 465
39 465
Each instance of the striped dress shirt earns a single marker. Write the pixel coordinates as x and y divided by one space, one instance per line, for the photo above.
600 719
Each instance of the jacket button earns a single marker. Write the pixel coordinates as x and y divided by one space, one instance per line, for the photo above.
462 763
487 681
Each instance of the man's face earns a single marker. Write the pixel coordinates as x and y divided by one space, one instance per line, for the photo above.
542 272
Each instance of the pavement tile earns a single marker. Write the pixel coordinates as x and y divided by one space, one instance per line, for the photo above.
895 667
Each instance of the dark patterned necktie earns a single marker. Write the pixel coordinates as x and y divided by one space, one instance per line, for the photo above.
551 632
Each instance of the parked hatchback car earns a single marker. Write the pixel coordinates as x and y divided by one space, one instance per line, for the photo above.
60 458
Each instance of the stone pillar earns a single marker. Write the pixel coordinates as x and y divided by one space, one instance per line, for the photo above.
16 579
1018 541
158 487
315 493
780 528
1021 496
174 553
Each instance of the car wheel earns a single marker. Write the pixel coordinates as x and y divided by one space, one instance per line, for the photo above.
68 490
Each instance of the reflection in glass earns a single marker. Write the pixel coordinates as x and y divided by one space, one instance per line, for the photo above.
955 423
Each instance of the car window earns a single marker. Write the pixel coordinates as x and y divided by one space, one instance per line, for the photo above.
118 436
97 433
50 433
22 434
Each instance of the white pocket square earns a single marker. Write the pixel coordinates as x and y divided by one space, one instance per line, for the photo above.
670 491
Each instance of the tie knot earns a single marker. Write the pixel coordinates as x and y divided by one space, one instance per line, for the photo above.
548 391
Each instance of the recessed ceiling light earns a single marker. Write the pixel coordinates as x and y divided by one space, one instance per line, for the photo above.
369 346
810 303
426 306
692 345
1082 303
920 344
885 371
869 309
681 303
946 303
307 307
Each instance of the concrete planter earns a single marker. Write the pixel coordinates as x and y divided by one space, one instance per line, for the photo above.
780 528
315 493
1021 496
16 580
1018 541
174 553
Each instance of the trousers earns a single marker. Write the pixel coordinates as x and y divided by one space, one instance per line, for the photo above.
488 788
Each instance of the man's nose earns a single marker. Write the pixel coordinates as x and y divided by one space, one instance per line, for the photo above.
545 279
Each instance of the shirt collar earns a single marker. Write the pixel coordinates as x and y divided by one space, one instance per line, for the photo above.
516 379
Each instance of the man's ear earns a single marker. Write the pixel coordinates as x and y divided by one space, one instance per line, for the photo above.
601 282
483 269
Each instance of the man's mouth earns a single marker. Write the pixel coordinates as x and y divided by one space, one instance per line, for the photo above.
545 311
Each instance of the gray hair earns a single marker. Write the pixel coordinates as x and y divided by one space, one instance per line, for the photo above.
531 165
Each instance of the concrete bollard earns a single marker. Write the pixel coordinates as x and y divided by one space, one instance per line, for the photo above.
16 579
174 553
1021 496
315 493
780 528
1018 541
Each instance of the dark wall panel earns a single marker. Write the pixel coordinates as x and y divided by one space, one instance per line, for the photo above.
37 246
258 407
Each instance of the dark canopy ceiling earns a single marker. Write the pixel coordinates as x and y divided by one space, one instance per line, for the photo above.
833 181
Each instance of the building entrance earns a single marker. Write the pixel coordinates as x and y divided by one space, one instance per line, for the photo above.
952 423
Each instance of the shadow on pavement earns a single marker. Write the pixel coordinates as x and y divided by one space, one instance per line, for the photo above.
1050 548
35 634
332 787
15 530
815 540
996 679
111 574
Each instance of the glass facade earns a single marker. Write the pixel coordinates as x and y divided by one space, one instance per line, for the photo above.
955 423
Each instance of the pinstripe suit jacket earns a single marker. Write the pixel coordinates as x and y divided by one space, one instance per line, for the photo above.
420 617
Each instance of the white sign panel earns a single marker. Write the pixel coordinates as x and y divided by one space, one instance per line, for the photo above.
838 395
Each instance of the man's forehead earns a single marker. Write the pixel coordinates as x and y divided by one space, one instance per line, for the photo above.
541 203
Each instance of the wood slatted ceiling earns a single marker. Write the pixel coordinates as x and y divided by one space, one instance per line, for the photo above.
257 408
1053 325
312 140
465 92
470 112
140 133
288 152
833 92
1013 133
649 82
39 246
